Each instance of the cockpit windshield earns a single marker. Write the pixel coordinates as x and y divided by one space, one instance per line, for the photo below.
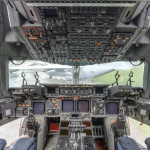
105 73
48 73
62 74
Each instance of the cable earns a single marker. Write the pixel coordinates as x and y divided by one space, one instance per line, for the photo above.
142 121
2 34
10 59
142 60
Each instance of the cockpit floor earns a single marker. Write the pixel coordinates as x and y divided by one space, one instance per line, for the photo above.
100 144
51 143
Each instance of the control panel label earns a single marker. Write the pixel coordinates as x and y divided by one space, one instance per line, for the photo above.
8 112
143 112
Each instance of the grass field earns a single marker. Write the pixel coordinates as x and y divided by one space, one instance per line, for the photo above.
109 78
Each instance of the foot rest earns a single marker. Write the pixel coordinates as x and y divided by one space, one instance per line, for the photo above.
126 143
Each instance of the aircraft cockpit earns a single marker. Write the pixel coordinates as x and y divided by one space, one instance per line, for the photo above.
74 72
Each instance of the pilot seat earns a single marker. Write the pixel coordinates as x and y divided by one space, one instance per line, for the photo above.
147 142
126 143
25 144
2 144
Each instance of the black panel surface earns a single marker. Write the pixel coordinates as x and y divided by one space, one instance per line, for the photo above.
112 108
83 105
38 108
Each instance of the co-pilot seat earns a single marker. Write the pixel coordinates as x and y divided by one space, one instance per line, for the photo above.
126 143
147 142
2 144
25 144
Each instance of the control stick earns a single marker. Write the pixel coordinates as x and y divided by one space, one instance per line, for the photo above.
31 123
119 126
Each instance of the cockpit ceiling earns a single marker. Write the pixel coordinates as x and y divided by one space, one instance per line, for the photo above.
77 32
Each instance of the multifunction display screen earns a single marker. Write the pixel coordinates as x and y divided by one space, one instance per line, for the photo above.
68 105
83 105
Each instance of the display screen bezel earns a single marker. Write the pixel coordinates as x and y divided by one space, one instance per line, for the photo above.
47 90
88 106
99 93
50 16
38 102
73 106
107 108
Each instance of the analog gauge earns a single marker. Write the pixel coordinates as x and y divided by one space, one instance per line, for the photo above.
50 105
101 112
101 105
56 112
49 112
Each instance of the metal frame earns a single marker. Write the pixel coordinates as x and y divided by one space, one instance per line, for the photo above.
15 22
83 4
75 74
143 26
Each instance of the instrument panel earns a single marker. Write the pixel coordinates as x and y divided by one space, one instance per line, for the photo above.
76 90
74 103
78 34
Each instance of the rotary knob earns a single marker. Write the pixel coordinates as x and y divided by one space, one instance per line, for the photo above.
50 105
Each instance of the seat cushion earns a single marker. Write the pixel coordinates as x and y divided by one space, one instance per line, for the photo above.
33 146
127 143
119 146
24 144
2 144
148 148
147 142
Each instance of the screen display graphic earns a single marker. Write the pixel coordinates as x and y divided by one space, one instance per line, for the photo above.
112 108
83 105
38 108
68 106
50 12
